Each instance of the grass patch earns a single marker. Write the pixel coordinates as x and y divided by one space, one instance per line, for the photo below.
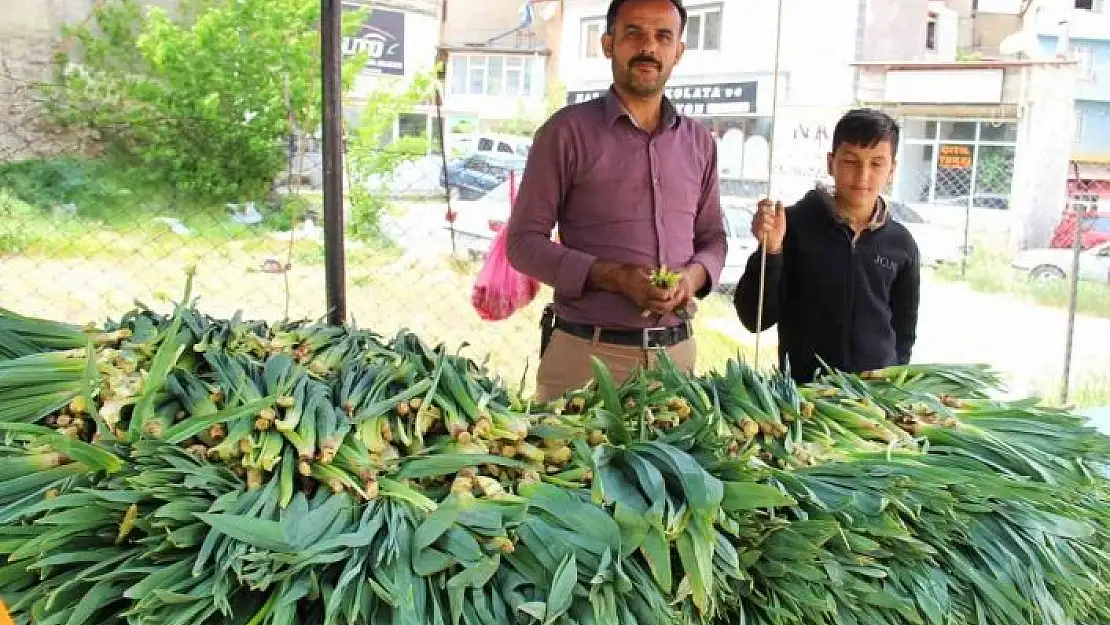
1087 391
989 271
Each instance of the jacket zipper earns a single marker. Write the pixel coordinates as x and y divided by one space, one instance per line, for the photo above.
850 321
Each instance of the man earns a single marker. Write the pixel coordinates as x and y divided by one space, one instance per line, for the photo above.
633 187
842 279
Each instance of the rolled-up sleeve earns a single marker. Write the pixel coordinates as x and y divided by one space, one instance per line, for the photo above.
710 238
543 190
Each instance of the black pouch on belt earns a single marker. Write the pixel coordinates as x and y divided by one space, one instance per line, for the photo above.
547 327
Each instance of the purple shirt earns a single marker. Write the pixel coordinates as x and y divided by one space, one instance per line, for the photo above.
617 194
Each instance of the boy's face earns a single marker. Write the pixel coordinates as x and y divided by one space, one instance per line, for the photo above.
861 172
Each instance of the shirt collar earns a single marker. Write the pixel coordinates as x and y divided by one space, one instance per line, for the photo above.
879 216
615 109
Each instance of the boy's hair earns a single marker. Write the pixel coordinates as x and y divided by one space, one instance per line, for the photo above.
615 9
865 128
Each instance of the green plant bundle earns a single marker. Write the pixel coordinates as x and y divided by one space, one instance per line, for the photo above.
182 469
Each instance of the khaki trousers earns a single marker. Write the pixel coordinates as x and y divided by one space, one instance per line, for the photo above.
566 365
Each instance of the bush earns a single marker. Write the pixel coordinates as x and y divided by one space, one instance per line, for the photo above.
202 100
15 216
49 183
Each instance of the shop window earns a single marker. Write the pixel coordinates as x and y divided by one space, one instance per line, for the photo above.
998 131
957 131
919 129
412 125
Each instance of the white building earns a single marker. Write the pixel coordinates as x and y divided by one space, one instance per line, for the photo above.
726 79
400 39
497 62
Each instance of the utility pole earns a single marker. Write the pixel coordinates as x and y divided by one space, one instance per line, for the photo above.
334 257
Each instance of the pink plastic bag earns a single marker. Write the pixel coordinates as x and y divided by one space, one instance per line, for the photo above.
500 290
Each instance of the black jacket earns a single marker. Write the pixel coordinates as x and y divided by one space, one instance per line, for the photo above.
854 305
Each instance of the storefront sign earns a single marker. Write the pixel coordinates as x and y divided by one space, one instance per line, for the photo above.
381 37
733 98
954 157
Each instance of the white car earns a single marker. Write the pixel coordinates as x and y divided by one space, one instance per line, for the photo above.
478 221
1049 264
501 144
937 245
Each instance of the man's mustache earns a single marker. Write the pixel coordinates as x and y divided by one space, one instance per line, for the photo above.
645 59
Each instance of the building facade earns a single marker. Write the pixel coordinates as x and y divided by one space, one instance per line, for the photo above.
497 62
987 139
1080 30
727 81
399 38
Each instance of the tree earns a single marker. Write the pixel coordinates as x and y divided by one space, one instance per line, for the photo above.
202 100
372 154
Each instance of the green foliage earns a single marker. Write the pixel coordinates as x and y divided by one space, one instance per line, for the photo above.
556 97
995 170
372 156
47 183
14 237
288 213
202 100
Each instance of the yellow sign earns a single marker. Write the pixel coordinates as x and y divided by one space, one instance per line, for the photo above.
954 157
5 618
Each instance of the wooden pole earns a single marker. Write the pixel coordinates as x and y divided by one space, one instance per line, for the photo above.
334 257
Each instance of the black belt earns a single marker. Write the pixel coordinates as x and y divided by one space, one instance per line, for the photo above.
648 338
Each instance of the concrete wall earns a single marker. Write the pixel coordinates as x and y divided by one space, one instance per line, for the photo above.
1092 92
1043 152
991 29
1094 137
894 30
29 38
965 38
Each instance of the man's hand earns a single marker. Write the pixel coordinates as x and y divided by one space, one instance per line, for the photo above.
630 280
769 225
691 280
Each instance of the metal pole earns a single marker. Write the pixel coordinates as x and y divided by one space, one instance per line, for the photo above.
1073 283
334 260
770 176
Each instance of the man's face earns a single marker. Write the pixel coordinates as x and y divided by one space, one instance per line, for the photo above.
644 46
861 172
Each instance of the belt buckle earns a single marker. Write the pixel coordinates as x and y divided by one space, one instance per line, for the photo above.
645 341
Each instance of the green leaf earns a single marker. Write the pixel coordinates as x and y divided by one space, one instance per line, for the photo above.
561 595
259 533
744 496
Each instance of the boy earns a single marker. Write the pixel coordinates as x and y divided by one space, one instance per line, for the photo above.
842 278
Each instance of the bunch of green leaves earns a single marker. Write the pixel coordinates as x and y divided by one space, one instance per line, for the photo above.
201 98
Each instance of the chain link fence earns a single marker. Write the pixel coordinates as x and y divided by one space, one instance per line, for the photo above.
81 240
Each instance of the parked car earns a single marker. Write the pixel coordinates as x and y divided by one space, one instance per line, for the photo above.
994 201
741 244
1096 230
742 192
936 245
1051 264
479 219
476 175
482 143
